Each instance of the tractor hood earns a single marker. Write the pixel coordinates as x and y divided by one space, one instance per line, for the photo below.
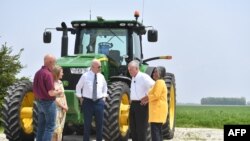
74 66
79 61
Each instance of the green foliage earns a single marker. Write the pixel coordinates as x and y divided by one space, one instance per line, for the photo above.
211 116
1 129
10 66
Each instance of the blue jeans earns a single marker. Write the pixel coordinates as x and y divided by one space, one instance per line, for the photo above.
90 109
46 120
156 132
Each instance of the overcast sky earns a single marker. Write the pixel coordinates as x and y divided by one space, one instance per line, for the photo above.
208 39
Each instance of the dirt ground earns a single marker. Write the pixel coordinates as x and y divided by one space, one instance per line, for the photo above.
181 134
198 134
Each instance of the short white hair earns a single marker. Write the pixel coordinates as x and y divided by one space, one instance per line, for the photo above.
134 63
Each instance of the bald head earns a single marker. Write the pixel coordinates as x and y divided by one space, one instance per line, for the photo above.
49 61
95 62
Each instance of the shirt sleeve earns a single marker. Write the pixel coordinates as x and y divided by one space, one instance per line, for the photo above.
105 88
35 86
79 86
149 81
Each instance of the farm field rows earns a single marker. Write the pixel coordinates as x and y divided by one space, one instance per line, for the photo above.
211 116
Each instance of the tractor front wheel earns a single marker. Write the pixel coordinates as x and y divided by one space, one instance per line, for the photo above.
116 113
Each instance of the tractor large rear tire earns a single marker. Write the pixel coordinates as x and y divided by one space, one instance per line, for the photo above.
116 114
19 115
169 127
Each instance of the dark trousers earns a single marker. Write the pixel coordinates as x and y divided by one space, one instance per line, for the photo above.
93 108
156 132
138 117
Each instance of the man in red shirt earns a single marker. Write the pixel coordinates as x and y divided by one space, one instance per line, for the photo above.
43 87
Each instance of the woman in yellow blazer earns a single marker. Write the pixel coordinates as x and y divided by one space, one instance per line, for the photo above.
158 108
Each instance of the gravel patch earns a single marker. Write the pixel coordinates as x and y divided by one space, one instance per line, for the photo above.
181 134
198 134
2 137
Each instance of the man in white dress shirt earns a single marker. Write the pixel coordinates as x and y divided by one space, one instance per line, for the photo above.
91 89
138 113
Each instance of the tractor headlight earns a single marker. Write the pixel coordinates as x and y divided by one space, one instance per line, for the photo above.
78 70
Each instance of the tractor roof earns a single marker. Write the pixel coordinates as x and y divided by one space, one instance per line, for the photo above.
101 23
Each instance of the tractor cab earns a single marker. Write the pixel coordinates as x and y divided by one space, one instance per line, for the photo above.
119 40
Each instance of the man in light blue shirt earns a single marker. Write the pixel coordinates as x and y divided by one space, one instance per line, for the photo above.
92 89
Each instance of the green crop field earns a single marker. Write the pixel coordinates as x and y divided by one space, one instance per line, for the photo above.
211 116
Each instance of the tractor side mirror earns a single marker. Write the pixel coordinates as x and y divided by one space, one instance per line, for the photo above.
152 35
47 37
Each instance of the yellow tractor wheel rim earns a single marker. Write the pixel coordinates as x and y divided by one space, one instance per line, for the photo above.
124 114
26 113
172 107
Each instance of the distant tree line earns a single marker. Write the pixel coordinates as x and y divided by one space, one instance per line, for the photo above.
223 101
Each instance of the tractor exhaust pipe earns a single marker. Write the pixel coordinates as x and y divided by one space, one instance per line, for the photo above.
155 58
64 50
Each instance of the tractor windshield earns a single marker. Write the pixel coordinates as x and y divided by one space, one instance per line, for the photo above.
104 41
136 46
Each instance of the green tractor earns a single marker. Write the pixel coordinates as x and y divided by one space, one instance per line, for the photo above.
115 43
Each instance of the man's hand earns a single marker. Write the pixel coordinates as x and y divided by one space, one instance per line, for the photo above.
81 100
55 92
144 100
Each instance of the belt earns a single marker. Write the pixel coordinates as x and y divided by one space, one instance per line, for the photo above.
136 101
45 99
85 98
